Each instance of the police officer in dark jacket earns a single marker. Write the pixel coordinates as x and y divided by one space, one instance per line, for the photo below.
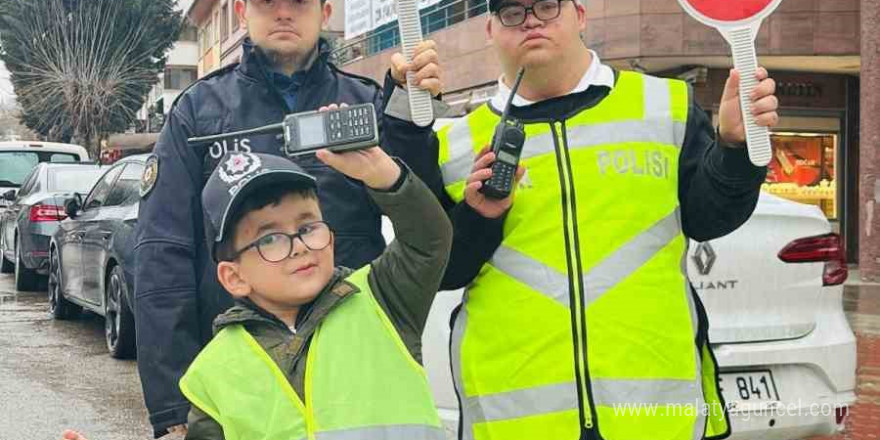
284 69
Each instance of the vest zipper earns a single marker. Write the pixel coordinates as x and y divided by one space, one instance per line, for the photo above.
575 279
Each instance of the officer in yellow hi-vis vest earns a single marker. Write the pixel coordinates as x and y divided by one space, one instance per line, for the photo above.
578 321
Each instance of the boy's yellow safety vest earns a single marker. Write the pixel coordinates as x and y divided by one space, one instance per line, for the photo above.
361 382
583 320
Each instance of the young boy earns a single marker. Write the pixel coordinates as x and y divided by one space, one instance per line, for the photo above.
311 350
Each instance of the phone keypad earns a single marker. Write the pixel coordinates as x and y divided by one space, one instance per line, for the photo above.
502 176
350 124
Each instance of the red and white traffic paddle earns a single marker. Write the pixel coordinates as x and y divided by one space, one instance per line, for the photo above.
739 21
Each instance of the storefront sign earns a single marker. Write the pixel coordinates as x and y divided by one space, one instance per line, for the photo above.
799 89
739 21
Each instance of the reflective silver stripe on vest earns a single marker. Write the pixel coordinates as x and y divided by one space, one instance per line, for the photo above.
630 257
538 276
395 432
522 403
657 98
461 152
608 392
460 163
620 393
658 105
617 267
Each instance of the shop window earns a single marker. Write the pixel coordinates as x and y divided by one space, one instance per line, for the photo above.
803 169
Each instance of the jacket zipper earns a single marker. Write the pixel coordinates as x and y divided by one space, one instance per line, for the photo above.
575 279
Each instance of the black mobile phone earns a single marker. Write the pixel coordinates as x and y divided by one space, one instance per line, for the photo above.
507 144
342 129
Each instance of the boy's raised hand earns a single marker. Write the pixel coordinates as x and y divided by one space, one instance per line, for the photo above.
371 165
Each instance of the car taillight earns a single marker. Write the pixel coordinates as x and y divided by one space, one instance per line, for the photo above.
821 248
47 213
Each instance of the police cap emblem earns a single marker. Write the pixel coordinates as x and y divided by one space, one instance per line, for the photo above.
237 166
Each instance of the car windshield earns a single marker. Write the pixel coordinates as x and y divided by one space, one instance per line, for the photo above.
16 165
77 179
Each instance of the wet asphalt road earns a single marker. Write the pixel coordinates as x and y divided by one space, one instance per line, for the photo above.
57 374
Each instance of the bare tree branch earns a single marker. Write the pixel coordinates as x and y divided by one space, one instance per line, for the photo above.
81 68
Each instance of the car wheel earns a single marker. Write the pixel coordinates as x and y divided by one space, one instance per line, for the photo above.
25 279
118 318
59 307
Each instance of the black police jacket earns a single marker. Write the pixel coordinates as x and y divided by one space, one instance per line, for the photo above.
177 295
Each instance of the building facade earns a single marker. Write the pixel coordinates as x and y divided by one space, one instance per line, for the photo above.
812 48
180 72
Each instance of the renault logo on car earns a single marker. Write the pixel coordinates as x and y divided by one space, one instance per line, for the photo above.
704 258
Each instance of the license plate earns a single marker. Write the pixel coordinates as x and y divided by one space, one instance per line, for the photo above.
746 387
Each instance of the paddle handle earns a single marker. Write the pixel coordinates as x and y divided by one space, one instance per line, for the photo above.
420 105
745 60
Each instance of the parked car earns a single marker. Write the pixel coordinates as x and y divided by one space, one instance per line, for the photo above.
33 216
17 159
90 255
773 293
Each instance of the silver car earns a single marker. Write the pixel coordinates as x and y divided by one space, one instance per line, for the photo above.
33 214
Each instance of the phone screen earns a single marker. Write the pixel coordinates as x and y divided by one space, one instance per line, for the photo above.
311 130
504 156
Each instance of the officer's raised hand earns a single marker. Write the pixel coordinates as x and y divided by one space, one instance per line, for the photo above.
425 64
482 170
763 106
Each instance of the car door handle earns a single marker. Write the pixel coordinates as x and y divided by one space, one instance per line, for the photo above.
105 235
78 235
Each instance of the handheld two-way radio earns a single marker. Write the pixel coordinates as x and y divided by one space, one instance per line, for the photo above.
507 144
338 130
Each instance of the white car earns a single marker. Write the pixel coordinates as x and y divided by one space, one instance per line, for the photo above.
773 291
18 159
773 294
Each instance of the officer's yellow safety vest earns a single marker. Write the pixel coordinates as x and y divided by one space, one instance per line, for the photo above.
583 322
361 382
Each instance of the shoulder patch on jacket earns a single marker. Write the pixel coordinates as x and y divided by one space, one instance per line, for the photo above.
150 175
